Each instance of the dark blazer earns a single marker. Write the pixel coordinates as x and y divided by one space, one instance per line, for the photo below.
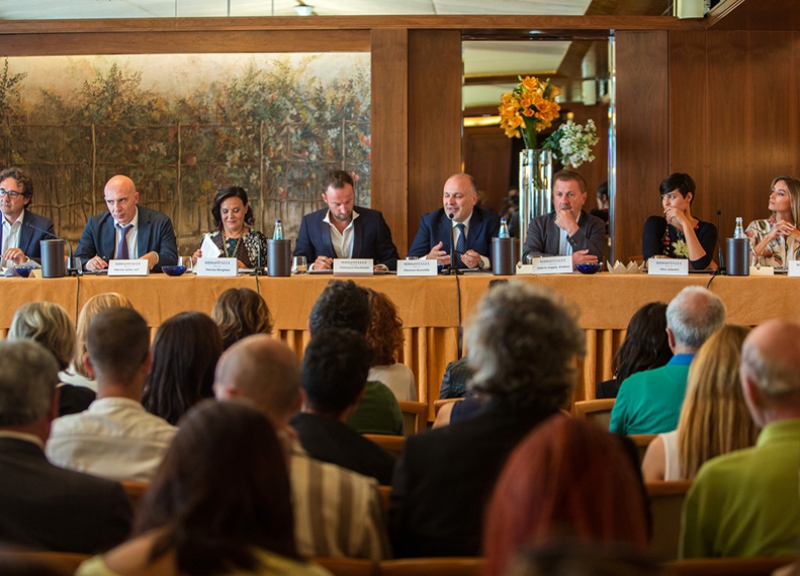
371 238
46 507
434 227
543 236
444 479
155 235
29 237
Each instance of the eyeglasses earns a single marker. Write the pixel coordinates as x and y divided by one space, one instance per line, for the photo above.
13 194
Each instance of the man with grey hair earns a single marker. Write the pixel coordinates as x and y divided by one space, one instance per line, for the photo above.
523 344
649 402
337 512
745 503
43 506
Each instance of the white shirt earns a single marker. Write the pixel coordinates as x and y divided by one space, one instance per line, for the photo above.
132 236
453 222
10 237
342 241
398 378
672 464
115 438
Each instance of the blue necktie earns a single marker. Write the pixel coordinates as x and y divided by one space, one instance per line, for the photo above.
461 245
122 249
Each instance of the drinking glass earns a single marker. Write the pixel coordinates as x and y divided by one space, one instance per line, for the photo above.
299 265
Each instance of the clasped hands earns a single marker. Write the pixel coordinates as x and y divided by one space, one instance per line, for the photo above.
785 229
566 221
470 258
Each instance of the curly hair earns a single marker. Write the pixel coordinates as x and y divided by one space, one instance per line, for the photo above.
385 333
241 312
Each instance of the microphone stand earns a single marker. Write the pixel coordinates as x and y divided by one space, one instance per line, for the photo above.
721 269
453 270
259 270
71 266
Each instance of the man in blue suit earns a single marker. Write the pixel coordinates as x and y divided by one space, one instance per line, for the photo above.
22 230
474 227
344 230
127 231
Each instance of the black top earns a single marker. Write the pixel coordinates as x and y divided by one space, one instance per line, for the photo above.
332 441
456 377
662 239
74 399
607 389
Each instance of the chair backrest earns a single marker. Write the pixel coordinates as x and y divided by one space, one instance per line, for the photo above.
386 494
598 411
433 567
666 505
64 562
392 444
347 566
727 566
135 491
415 417
642 441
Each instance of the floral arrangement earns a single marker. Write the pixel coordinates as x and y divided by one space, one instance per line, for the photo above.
529 109
572 143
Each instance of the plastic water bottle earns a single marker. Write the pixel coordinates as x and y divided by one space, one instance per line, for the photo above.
278 233
503 229
738 232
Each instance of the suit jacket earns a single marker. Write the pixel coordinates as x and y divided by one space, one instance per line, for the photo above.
434 227
445 477
29 237
155 235
46 507
371 238
543 236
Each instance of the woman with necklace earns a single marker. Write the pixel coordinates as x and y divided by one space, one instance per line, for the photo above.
235 237
776 241
678 234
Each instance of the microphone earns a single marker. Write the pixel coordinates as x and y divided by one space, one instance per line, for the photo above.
71 265
258 270
719 244
453 263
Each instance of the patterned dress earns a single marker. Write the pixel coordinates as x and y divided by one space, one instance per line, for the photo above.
775 253
245 250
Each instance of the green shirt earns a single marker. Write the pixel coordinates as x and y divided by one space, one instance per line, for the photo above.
650 402
378 412
746 503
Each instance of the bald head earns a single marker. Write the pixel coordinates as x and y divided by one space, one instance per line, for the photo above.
693 316
121 198
771 359
265 371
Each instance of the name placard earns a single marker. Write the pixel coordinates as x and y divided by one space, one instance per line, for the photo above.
128 267
216 267
421 267
352 267
762 271
793 269
552 265
668 267
524 268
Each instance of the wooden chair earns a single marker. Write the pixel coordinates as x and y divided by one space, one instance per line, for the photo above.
415 417
386 493
598 411
348 566
666 505
64 562
392 444
135 491
642 441
433 567
727 566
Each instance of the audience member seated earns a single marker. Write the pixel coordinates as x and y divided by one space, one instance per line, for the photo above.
650 402
745 503
115 438
241 312
50 325
568 479
185 353
43 506
77 374
219 504
714 419
336 512
385 335
645 347
455 382
523 343
776 241
346 305
678 234
335 367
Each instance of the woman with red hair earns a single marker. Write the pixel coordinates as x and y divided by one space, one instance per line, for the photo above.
567 480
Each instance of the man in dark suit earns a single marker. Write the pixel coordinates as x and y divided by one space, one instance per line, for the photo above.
344 230
474 227
568 230
43 506
523 344
22 230
127 231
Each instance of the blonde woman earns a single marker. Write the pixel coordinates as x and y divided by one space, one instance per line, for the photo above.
775 241
714 419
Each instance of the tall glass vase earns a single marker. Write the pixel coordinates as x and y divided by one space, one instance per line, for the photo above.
535 195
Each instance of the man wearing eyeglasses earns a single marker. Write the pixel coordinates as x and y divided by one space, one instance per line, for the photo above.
568 230
22 230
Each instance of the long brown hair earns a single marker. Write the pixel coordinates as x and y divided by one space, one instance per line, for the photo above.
385 333
714 418
241 312
793 185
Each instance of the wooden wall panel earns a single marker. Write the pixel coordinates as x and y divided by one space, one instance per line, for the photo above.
434 118
487 157
389 130
642 135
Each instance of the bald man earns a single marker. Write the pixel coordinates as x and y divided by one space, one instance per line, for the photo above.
746 503
127 231
337 512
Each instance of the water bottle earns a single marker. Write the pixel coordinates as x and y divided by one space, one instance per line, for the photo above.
503 229
278 233
738 232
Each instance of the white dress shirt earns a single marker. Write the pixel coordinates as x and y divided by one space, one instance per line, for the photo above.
10 237
453 222
133 235
342 241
